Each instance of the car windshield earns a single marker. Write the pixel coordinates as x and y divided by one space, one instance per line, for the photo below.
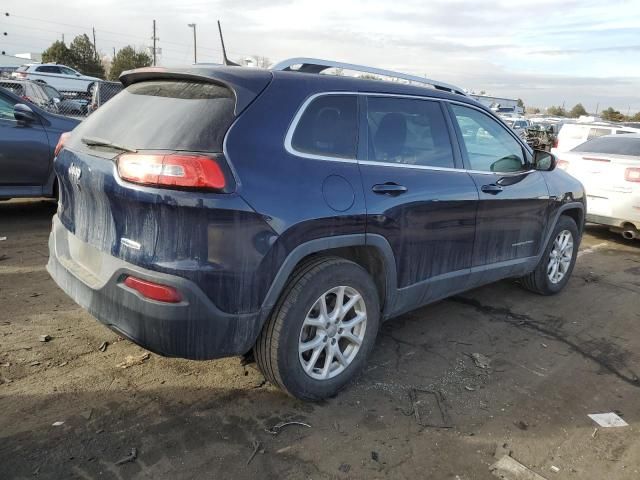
620 145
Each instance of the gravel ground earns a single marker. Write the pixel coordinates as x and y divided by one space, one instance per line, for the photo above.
422 409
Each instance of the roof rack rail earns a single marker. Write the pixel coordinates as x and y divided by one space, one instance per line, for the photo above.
316 65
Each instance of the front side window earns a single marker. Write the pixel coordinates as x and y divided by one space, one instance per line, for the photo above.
68 71
490 148
328 127
408 131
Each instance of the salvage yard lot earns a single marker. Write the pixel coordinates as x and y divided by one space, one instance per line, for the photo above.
551 362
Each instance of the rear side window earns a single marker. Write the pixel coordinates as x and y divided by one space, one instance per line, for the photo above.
328 127
599 132
408 131
165 115
611 145
48 69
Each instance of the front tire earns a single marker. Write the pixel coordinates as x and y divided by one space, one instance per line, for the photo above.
321 331
556 264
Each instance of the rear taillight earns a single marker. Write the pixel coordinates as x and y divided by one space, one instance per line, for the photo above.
176 170
153 291
61 141
563 164
555 143
20 75
632 174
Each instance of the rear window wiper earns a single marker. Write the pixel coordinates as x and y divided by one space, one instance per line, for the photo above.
101 142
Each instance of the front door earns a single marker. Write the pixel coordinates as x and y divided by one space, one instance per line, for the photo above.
416 197
513 197
24 149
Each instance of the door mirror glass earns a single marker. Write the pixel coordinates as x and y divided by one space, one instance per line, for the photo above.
544 161
23 113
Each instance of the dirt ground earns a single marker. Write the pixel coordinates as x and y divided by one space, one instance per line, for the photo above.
553 361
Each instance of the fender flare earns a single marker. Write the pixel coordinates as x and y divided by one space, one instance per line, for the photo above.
563 208
319 245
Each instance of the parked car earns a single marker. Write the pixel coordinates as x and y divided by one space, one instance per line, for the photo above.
609 169
102 93
573 134
64 105
45 96
519 125
64 78
28 137
283 215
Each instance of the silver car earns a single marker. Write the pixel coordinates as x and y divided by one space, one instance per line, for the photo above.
609 169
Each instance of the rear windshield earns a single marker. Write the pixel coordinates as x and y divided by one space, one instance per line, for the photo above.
165 115
613 145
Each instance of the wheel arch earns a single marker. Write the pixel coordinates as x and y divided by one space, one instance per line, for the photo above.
372 252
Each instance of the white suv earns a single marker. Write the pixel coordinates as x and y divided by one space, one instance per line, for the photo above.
61 77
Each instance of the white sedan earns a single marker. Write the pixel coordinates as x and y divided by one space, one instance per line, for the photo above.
609 169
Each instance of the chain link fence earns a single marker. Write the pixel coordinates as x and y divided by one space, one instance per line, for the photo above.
64 93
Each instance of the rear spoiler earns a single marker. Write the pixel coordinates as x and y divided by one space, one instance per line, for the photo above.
246 84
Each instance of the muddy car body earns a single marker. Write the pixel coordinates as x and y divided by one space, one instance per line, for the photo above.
323 206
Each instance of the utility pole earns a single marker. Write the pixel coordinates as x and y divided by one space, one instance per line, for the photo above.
63 38
114 52
154 43
597 108
95 50
195 55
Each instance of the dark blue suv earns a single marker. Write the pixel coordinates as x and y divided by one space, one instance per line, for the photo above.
283 215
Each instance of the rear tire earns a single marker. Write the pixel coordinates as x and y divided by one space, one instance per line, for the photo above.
307 327
556 264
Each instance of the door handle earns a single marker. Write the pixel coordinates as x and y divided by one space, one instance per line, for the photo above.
492 188
389 188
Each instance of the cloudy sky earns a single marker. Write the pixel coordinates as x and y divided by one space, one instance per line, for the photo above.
544 51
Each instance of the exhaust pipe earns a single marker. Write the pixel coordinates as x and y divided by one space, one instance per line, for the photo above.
628 232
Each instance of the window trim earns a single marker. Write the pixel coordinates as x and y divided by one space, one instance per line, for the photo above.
288 146
453 132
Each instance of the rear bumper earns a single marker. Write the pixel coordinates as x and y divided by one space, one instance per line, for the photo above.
194 328
614 209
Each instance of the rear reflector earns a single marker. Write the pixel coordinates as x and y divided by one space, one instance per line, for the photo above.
153 291
61 141
632 174
176 170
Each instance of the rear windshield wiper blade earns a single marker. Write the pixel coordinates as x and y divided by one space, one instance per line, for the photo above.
101 142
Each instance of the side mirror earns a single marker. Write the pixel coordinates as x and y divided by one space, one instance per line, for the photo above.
22 113
77 74
544 161
56 100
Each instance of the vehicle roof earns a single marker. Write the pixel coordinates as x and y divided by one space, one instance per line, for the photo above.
247 77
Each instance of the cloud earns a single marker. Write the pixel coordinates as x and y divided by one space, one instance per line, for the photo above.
540 50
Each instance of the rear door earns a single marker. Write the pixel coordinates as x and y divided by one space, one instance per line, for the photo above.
24 149
416 197
513 198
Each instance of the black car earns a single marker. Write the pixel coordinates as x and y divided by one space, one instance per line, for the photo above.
283 215
28 137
